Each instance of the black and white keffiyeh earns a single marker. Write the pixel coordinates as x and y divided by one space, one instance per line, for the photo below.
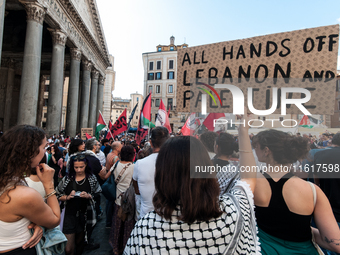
234 232
228 176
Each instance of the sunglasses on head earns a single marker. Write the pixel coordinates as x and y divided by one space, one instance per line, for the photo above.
78 157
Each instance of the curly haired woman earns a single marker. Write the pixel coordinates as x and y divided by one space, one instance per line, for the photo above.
21 149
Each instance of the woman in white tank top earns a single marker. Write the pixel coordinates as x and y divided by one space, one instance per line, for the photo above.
21 149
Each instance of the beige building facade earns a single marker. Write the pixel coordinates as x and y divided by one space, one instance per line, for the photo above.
160 74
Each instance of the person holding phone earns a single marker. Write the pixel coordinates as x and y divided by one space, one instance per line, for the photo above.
77 189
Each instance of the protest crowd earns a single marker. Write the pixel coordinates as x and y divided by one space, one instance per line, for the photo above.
156 202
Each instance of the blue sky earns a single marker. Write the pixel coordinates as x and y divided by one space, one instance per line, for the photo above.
132 27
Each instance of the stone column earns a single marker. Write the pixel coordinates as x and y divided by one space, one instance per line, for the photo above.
93 100
41 100
73 93
2 21
100 95
85 94
55 93
29 89
9 92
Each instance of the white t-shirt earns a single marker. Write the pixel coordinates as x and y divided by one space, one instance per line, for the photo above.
144 175
101 156
38 186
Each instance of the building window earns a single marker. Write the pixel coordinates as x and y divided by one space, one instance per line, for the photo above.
171 89
170 103
151 76
170 115
159 65
151 66
157 102
158 76
184 47
281 118
263 118
150 89
171 48
156 116
47 87
159 48
137 117
116 111
171 75
158 89
45 102
116 117
171 64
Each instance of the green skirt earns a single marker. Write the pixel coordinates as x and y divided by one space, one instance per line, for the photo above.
271 245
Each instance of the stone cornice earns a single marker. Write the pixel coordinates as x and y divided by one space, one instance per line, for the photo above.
75 54
58 36
35 11
72 11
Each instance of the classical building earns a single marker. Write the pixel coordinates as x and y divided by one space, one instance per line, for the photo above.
119 105
160 69
51 39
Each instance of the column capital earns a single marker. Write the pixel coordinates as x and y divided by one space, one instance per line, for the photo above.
95 74
35 11
58 36
101 80
87 65
75 54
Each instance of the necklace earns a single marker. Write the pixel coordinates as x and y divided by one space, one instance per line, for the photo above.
81 182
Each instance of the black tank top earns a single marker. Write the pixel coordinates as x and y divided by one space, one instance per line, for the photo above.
277 220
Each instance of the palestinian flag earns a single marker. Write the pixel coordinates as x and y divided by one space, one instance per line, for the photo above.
309 122
145 116
100 125
144 120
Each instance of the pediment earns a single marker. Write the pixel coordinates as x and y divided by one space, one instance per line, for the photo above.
88 11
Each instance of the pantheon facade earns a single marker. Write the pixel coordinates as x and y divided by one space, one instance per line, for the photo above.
54 39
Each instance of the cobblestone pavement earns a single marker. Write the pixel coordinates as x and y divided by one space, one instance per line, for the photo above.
100 235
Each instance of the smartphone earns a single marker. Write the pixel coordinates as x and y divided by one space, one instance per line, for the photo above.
77 194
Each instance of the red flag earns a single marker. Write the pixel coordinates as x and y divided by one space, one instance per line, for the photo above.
190 125
88 136
162 117
209 120
120 125
109 134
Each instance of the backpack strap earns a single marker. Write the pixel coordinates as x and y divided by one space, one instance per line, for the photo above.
121 173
